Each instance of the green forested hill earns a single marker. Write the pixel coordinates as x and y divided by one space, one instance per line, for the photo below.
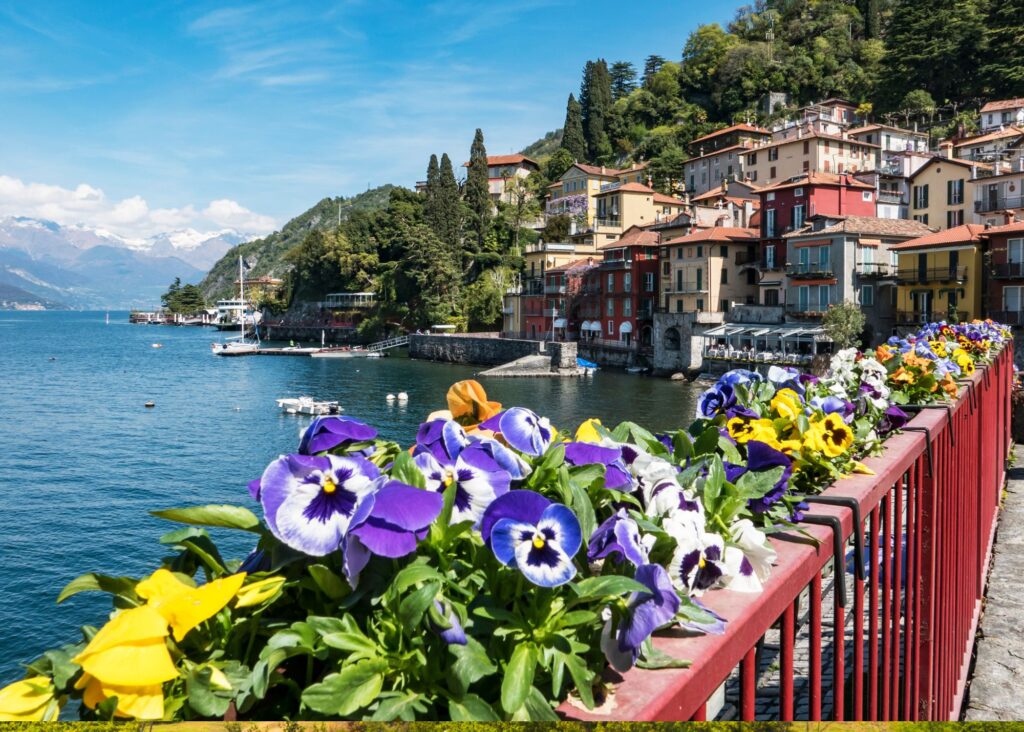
266 256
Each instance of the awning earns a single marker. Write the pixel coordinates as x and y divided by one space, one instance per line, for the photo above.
626 327
559 322
591 325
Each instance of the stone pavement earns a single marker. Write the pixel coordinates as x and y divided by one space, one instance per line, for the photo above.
997 687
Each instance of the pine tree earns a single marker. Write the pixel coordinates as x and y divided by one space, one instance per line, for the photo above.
1003 71
595 104
478 195
623 75
572 132
448 225
652 65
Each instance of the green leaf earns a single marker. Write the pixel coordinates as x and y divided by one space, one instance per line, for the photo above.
582 676
518 677
577 617
536 709
755 484
707 442
356 686
652 658
471 708
412 607
402 707
329 583
729 451
90 582
714 483
612 584
270 659
584 510
202 697
683 445
219 515
405 470
471 662
62 668
412 575
356 644
325 625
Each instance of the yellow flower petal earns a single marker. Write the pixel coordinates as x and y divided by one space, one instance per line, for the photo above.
257 593
136 626
135 702
26 700
587 431
862 469
130 649
187 610
161 585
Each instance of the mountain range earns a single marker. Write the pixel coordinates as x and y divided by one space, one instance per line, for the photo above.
75 266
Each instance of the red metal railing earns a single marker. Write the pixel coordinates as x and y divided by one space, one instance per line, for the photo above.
876 619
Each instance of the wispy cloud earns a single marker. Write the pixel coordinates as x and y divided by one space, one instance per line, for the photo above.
473 18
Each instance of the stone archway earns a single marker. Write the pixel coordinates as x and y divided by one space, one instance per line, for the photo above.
672 340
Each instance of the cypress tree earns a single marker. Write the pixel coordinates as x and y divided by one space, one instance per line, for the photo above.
448 226
572 131
595 104
1003 70
478 195
432 192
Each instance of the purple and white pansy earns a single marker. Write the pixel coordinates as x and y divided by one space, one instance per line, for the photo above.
400 517
619 538
749 558
329 432
616 474
523 430
541 546
474 475
698 563
310 503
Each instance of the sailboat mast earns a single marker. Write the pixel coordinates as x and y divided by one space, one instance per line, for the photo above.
241 297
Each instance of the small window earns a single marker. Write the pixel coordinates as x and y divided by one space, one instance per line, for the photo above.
798 192
867 295
700 305
679 306
609 307
771 196
723 251
611 282
807 147
725 276
611 327
771 172
700 251
865 195
773 153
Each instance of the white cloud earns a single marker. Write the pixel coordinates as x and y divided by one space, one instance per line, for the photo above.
129 217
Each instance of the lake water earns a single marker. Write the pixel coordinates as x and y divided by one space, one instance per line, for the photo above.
82 460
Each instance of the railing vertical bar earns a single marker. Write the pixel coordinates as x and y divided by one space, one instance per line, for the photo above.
748 685
872 712
839 661
814 672
909 637
886 562
786 668
897 591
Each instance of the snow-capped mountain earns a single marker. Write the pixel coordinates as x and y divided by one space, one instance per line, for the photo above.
83 266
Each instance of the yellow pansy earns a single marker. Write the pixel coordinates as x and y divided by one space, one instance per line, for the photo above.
938 347
786 403
182 606
259 592
744 430
133 702
27 700
468 404
830 436
587 431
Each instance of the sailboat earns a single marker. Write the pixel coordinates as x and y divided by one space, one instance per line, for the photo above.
239 345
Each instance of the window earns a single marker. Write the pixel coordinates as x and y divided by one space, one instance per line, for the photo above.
769 223
867 295
771 172
679 280
700 251
920 195
723 251
1013 301
700 279
1015 251
700 305
753 176
679 306
611 327
955 192
923 218
611 282
769 256
807 165
865 195
679 252
771 297
666 268
773 153
798 216
723 306
807 147
824 256
627 282
609 307
771 196
753 158
725 276
649 281
798 192
627 308
954 218
751 277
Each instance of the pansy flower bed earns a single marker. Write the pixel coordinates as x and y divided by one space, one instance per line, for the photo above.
493 568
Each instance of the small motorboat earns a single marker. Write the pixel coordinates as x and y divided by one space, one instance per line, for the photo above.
307 405
636 370
158 345
588 367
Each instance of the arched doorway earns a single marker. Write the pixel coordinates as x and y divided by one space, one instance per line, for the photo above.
672 341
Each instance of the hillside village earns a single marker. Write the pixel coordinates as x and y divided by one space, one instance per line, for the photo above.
772 227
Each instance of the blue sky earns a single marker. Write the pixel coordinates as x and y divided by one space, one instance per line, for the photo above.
141 116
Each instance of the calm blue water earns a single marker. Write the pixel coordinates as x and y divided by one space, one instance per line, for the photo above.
82 461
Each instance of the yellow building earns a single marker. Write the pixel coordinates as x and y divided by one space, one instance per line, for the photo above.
797 152
709 270
939 276
620 206
942 192
574 192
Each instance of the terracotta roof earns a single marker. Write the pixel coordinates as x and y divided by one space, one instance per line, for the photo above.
1009 131
865 225
742 127
1002 104
957 235
939 160
516 159
874 126
1015 228
627 188
719 151
574 264
815 178
597 170
635 167
808 136
670 200
717 233
634 236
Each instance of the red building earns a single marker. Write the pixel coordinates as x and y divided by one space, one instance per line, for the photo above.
551 303
1004 298
619 294
786 205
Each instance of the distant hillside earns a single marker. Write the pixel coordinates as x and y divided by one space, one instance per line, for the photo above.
544 146
11 297
266 256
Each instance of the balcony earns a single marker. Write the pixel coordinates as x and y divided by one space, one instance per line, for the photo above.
892 197
608 222
747 258
932 274
591 289
810 270
556 247
807 310
616 264
774 266
904 317
1008 270
554 289
1008 317
553 313
687 288
533 287
875 269
998 203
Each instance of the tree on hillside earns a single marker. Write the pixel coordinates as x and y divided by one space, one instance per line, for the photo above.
573 140
623 75
935 46
652 65
427 277
844 323
1003 69
183 299
483 301
703 53
557 164
448 222
595 103
522 205
666 170
478 195
431 192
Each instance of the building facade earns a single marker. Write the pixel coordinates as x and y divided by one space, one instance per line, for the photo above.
799 152
709 271
1001 113
714 158
1004 290
502 170
942 193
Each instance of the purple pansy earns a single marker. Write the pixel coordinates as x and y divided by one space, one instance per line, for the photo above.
522 429
475 476
892 419
442 438
400 517
645 613
619 534
716 626
310 503
542 549
616 475
699 559
835 405
785 377
761 456
453 635
327 433
715 400
740 376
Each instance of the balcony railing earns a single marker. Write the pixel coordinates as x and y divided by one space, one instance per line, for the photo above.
809 269
875 269
932 274
1008 317
554 289
890 197
687 288
997 203
907 317
1008 270
774 266
807 310
613 221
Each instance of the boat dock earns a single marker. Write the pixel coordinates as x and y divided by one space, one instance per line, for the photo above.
374 350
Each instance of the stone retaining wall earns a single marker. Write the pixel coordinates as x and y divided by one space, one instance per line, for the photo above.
482 351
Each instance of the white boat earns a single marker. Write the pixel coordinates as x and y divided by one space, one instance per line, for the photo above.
239 345
307 405
636 369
